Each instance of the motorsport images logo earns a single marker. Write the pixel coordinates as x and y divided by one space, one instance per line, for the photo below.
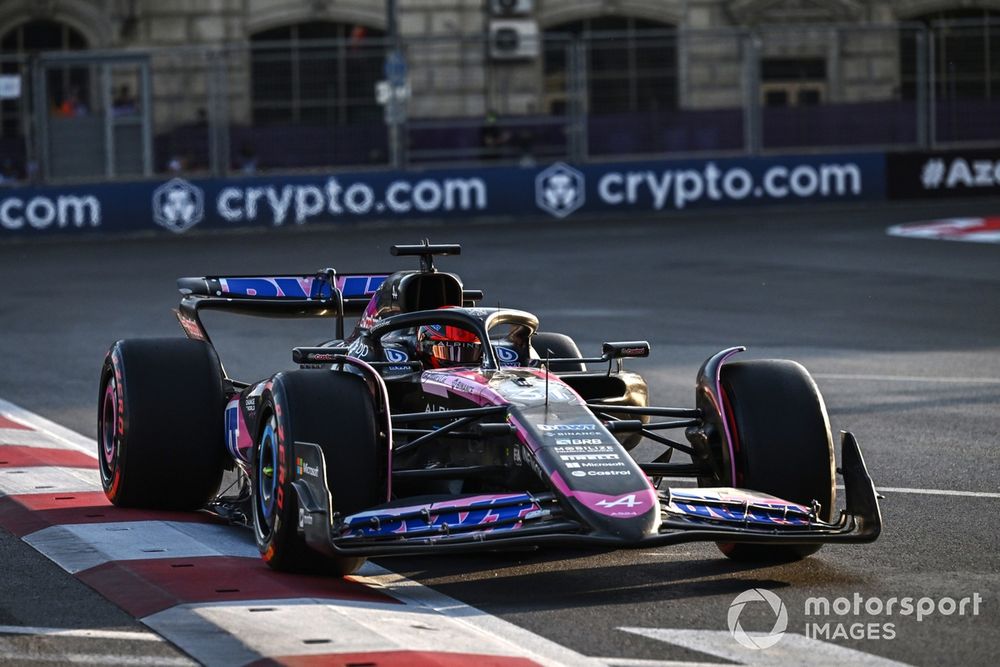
855 617
757 640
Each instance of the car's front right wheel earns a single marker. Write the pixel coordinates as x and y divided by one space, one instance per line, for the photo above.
782 444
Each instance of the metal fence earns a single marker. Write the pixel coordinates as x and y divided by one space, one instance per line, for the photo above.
279 105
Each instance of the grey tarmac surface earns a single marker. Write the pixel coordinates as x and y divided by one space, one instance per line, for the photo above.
902 335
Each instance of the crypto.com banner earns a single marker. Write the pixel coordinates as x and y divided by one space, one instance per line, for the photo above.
558 190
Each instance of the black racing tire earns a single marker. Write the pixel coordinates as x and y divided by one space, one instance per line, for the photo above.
334 410
159 429
558 346
784 447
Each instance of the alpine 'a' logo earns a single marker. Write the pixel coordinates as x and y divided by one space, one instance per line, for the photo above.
629 501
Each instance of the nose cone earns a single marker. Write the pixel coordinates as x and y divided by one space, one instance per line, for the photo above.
629 516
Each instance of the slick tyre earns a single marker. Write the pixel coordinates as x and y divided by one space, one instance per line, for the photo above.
159 433
782 442
334 410
558 346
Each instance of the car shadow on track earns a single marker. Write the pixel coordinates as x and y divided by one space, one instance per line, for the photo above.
561 579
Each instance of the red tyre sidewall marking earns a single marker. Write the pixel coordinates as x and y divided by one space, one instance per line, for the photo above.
727 409
116 474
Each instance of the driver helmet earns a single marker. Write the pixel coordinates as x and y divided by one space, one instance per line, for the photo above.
447 346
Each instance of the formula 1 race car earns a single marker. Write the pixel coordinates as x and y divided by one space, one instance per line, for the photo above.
441 426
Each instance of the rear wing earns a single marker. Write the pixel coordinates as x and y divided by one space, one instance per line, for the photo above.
324 294
355 288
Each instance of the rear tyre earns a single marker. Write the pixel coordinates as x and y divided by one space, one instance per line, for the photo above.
558 346
334 410
159 427
782 444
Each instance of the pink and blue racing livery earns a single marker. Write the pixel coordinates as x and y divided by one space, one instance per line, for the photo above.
439 425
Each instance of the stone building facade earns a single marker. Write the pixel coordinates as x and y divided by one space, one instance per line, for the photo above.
473 58
453 74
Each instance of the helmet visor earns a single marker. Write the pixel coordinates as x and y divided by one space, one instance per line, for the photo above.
456 352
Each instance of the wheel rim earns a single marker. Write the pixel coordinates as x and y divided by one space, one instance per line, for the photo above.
109 430
267 479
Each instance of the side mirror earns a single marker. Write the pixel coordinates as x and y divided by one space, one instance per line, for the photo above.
317 355
625 349
610 352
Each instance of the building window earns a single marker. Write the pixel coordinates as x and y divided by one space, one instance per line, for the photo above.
792 82
966 48
65 85
631 64
316 73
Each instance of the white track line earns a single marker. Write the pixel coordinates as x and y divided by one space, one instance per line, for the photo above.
48 479
129 635
12 658
71 439
793 649
688 482
414 593
905 378
643 662
228 634
934 492
78 547
25 438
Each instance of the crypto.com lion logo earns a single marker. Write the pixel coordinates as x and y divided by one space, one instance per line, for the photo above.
559 190
178 205
757 640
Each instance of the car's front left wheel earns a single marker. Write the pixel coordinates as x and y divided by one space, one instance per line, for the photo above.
334 410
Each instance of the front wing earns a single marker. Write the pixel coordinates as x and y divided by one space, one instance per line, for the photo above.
527 520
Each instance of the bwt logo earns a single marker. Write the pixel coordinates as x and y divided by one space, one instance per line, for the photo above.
559 190
178 205
396 356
